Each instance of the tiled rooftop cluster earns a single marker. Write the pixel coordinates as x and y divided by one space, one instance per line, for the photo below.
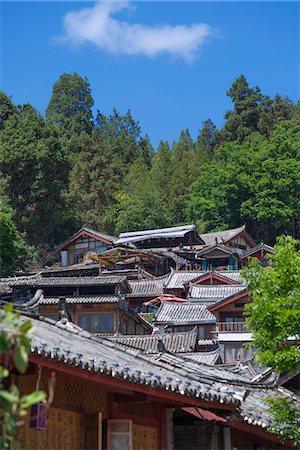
172 342
148 288
217 292
184 313
40 281
66 343
82 299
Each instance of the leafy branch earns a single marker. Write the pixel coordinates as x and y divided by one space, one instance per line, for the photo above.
15 346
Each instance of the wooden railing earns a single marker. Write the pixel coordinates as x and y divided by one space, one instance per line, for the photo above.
230 327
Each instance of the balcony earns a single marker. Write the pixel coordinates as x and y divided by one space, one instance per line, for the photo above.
230 327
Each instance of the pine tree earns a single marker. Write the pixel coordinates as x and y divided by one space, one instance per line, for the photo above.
70 106
243 120
34 171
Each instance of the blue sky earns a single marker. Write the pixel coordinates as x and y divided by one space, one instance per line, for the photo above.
169 62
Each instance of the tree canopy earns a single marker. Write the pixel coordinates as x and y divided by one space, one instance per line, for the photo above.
15 253
71 169
70 106
273 316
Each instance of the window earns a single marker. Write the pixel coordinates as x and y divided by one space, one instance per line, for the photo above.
77 258
97 323
237 352
119 435
234 324
201 332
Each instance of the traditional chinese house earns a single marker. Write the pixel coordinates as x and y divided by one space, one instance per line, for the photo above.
210 294
259 252
218 257
231 332
95 303
120 258
236 238
175 237
185 317
179 281
144 291
82 244
110 396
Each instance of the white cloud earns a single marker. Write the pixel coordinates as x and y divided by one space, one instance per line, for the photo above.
99 26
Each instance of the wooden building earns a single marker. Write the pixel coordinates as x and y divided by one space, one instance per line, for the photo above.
175 237
231 332
109 396
218 257
95 303
144 290
179 281
259 252
236 238
184 317
82 244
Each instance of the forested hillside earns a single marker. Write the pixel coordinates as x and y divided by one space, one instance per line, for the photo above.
69 169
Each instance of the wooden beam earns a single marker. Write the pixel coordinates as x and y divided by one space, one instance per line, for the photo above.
135 397
258 431
111 383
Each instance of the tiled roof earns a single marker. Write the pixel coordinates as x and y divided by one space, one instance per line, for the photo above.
162 233
5 287
253 408
234 275
221 236
219 301
97 234
39 281
207 342
216 292
81 268
265 247
213 247
100 234
184 313
209 358
67 344
147 288
173 342
178 278
81 299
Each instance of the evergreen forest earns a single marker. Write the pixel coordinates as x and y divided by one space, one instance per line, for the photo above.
72 168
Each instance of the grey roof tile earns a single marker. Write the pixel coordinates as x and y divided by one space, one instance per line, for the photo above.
173 342
234 275
147 288
259 247
81 299
209 357
216 292
164 371
221 236
162 233
178 278
39 281
184 314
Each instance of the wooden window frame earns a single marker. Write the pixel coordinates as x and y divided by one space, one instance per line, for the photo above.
232 347
97 313
110 433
